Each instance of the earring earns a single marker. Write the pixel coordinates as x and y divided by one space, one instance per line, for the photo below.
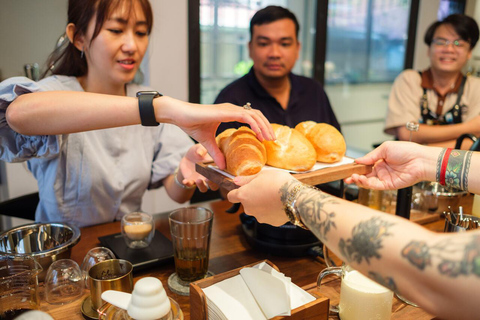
81 54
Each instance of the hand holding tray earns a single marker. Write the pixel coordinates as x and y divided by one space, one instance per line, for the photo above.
326 174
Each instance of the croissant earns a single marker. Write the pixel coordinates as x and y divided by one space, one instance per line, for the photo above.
291 150
244 153
326 139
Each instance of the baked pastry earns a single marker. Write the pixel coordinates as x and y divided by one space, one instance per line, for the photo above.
326 139
244 153
291 150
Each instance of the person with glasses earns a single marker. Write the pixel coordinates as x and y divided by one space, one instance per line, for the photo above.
444 102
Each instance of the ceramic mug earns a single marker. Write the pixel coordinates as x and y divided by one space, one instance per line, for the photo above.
360 297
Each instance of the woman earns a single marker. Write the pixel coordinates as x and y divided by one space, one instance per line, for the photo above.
78 129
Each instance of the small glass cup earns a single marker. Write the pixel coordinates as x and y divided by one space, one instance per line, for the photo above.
94 256
138 229
63 282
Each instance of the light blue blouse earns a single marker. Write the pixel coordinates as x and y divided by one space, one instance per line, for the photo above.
95 176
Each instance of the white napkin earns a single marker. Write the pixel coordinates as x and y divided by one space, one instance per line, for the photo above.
260 292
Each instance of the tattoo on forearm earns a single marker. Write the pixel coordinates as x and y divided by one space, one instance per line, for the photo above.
313 212
387 282
366 240
311 209
458 167
455 256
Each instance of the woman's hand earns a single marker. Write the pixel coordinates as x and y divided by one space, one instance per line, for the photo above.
197 153
201 122
397 165
261 197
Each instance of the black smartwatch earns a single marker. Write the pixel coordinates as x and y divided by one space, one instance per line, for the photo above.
145 106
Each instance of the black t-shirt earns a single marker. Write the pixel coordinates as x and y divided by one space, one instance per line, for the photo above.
308 101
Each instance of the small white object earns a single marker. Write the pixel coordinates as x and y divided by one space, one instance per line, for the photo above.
34 315
148 301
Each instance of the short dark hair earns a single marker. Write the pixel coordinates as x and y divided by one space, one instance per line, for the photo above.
464 26
271 14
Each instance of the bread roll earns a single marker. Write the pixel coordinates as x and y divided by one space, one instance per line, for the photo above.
244 153
291 150
326 139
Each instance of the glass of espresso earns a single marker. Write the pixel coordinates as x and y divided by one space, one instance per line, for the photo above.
191 228
138 229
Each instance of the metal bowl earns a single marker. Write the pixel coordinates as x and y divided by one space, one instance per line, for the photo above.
438 198
46 242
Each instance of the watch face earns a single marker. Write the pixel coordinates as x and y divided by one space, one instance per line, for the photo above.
149 93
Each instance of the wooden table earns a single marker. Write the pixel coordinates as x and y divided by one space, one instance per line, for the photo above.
229 250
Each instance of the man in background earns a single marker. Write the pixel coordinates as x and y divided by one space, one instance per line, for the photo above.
444 101
270 86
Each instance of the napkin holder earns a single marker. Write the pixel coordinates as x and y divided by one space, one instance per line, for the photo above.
317 309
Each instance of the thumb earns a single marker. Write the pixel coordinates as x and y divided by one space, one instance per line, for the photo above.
215 153
243 180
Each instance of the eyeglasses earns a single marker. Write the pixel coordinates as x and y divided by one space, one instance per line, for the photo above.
460 44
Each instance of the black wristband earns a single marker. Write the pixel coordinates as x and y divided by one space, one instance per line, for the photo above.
145 107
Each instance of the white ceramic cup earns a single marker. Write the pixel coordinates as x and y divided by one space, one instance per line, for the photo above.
360 297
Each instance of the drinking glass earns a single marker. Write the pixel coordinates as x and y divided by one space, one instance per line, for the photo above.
360 297
18 285
94 256
191 229
63 282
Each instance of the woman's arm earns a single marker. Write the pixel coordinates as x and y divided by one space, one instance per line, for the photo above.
402 164
60 112
437 271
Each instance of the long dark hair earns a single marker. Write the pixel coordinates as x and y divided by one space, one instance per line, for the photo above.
66 59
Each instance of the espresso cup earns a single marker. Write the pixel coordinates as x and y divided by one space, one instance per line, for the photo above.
360 297
113 274
138 229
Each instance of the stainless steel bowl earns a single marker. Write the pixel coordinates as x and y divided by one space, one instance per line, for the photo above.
46 242
437 198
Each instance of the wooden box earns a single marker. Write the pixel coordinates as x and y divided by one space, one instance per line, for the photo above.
317 309
312 178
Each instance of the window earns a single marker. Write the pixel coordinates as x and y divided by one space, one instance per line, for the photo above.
366 40
224 37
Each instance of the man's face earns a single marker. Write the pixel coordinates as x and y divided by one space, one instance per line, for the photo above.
274 49
448 52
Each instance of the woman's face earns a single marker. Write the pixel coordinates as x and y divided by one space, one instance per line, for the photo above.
114 56
446 56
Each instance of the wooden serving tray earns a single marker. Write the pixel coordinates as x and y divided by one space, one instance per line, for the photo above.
312 178
317 309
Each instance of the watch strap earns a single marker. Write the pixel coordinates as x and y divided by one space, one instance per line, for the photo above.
291 199
145 105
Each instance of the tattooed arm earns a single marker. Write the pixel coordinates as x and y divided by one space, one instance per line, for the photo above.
439 272
402 164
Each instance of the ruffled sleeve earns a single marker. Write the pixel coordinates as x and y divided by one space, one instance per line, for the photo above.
15 147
